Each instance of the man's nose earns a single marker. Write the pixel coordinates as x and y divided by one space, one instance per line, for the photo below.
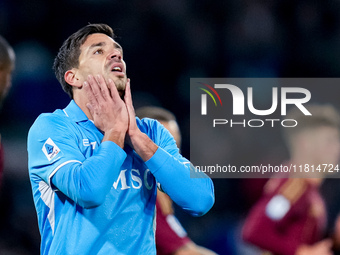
116 54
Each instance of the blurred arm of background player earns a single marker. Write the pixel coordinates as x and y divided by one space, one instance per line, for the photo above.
7 59
171 238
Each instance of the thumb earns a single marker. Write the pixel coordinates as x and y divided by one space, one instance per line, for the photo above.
128 97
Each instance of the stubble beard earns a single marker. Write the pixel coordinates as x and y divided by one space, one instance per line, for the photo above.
120 85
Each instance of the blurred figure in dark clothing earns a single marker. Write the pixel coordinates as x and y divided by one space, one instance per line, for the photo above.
7 59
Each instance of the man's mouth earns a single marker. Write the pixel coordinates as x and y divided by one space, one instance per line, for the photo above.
116 69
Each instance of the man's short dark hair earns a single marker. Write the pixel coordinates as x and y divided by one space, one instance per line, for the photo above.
69 52
7 55
157 113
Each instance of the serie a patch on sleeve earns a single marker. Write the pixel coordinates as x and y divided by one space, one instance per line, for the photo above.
277 207
50 149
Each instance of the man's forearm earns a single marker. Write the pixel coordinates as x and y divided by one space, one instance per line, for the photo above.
88 182
194 195
143 145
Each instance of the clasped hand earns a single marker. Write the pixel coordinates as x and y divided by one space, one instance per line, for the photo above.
110 113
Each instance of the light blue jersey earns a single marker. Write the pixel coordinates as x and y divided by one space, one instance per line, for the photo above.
96 198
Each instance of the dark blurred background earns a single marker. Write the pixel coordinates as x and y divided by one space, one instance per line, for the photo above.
165 43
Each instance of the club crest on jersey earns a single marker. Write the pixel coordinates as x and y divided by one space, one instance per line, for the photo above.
50 149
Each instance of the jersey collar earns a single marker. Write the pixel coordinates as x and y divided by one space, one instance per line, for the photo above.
74 112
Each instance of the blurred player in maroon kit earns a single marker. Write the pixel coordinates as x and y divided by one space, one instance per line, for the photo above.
7 58
290 217
171 238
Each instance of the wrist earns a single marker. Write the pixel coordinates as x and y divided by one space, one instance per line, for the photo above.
116 136
135 135
143 145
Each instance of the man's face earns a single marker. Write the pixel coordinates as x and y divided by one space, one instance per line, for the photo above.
100 54
324 144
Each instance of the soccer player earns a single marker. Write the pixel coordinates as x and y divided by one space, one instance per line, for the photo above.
7 60
94 167
290 217
171 238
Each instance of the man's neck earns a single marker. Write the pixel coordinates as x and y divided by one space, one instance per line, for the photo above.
81 102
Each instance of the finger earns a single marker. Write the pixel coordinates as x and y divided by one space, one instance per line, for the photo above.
113 89
103 87
89 92
128 97
95 88
128 101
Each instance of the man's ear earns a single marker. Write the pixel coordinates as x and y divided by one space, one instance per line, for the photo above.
72 79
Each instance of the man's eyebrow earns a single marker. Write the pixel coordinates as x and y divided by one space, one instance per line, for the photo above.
100 44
